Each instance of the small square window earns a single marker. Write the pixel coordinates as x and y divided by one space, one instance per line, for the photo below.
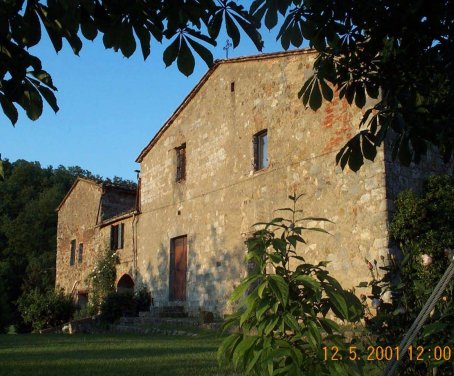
72 257
260 142
181 162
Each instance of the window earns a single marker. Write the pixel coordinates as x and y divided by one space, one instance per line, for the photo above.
117 236
260 142
81 253
181 162
72 257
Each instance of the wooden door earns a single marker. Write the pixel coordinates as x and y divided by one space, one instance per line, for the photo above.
178 268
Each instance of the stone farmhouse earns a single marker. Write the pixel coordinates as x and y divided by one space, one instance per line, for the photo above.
228 157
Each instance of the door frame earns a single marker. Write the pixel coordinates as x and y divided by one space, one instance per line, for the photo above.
172 268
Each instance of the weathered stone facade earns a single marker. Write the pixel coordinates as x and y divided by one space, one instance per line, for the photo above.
85 217
222 194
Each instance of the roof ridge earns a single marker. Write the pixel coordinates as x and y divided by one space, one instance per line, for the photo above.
198 86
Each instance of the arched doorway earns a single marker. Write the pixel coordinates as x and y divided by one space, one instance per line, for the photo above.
125 284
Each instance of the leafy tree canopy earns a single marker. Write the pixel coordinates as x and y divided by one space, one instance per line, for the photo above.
399 53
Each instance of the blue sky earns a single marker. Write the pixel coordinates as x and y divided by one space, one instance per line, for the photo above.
110 106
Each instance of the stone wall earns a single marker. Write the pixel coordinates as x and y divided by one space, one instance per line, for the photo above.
116 201
77 220
222 196
126 254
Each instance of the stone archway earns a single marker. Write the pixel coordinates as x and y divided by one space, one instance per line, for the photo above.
125 284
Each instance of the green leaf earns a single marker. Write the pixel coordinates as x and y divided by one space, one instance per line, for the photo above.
279 244
202 51
329 325
31 102
53 32
360 96
310 93
144 38
326 90
252 33
338 301
49 97
228 345
75 43
171 52
240 351
317 229
31 27
369 149
354 156
272 322
296 36
44 77
316 219
308 282
252 362
2 173
241 289
214 27
127 40
89 29
232 30
279 287
9 109
262 288
185 60
314 335
271 18
262 307
355 307
292 322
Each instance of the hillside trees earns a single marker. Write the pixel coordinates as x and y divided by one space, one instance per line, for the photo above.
400 53
29 195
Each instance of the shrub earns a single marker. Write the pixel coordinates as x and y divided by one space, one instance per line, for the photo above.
284 310
116 305
102 279
143 299
423 227
4 311
45 309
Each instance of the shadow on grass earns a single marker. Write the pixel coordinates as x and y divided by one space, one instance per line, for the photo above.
109 355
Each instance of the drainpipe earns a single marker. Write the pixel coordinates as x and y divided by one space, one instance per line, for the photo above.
134 244
135 219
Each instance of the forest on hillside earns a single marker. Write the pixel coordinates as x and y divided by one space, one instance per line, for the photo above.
29 195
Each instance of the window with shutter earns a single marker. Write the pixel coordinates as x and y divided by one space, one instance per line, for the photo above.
121 237
117 235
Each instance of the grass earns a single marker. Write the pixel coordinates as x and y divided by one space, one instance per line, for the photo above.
109 354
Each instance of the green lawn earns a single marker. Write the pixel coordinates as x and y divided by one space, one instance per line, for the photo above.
109 354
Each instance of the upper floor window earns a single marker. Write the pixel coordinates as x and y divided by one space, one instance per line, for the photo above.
81 253
72 257
117 236
181 162
260 142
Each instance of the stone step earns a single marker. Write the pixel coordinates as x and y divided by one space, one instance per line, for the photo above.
177 322
157 331
166 311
